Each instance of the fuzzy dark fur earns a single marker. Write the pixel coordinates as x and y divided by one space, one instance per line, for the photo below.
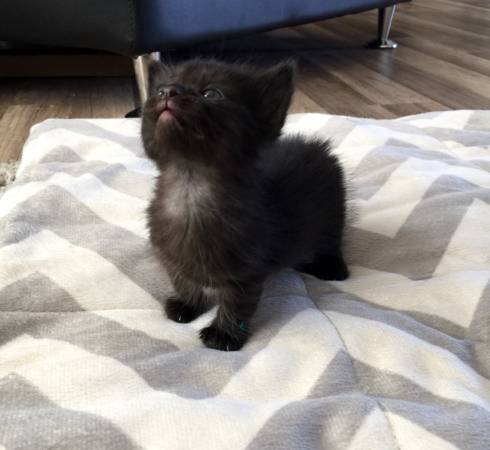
233 203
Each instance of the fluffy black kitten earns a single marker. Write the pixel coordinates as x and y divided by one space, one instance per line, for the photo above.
233 202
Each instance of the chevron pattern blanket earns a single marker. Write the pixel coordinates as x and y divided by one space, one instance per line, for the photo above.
395 357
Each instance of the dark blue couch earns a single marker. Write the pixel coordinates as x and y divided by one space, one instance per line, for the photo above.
137 27
134 27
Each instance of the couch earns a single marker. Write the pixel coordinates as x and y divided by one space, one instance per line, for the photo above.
145 27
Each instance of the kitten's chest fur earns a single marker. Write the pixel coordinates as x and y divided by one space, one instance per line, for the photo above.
182 196
183 201
187 221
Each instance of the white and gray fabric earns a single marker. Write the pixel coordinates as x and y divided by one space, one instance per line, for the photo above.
395 357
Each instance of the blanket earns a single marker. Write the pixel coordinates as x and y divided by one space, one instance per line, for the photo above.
395 357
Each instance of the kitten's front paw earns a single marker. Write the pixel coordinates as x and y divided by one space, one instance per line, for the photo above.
214 337
179 311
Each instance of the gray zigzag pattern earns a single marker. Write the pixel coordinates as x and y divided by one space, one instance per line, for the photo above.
407 253
68 218
89 129
30 421
115 176
465 425
341 395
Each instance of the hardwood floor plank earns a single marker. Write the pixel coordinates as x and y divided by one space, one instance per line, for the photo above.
438 90
14 128
302 103
449 54
328 91
7 94
463 12
444 71
449 35
409 109
373 85
482 6
112 97
456 18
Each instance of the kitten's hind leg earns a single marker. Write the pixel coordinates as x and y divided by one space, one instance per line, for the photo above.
326 266
189 303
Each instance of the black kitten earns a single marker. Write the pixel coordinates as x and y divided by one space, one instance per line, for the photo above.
233 203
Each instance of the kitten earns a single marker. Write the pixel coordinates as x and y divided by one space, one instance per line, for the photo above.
234 203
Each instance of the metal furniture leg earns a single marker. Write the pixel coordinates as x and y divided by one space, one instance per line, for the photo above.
385 19
141 64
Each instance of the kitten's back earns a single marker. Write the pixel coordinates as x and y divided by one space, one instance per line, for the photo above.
302 168
304 187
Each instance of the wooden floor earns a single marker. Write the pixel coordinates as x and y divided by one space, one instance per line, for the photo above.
443 62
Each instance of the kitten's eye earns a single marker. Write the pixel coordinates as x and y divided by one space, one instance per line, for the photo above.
213 94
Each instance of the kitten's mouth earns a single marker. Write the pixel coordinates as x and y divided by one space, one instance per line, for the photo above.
166 112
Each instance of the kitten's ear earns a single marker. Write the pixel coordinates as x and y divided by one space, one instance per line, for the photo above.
157 74
276 87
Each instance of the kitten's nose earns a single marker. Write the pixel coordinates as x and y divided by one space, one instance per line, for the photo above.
172 90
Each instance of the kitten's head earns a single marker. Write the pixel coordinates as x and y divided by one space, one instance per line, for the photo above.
211 110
